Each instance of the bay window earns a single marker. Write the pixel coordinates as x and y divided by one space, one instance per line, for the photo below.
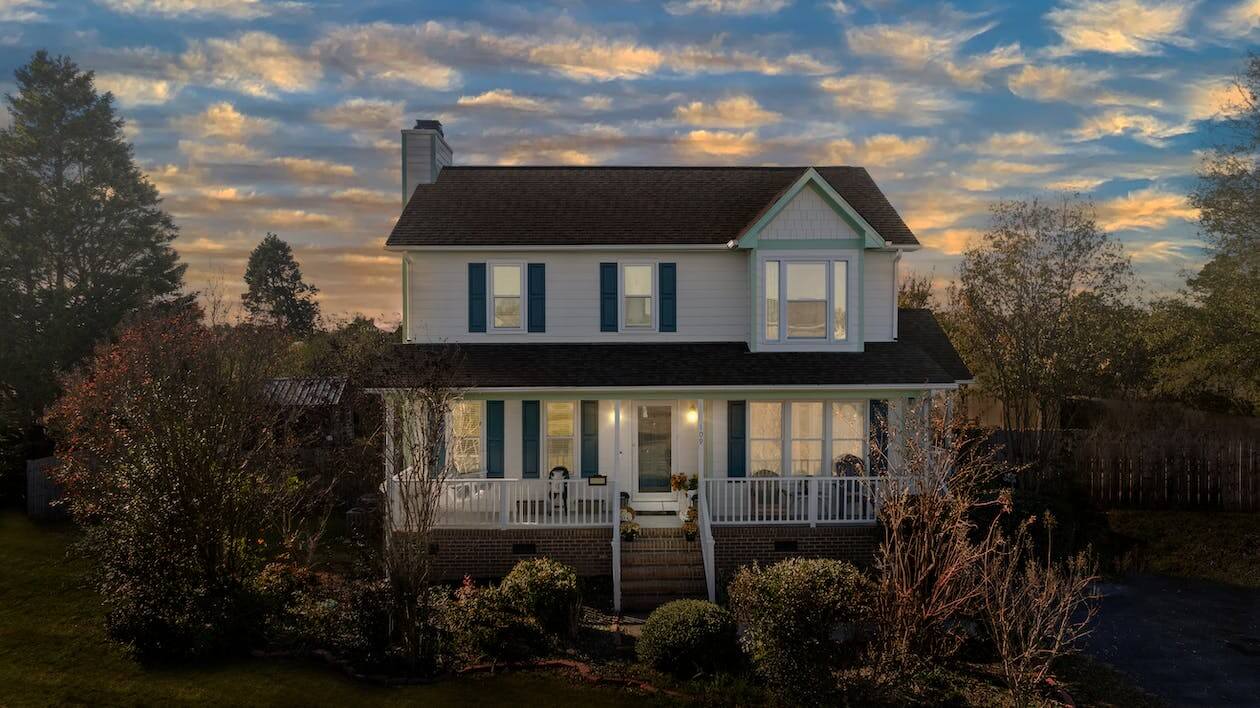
561 430
806 300
505 285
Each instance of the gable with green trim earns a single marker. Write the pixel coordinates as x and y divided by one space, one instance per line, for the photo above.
810 210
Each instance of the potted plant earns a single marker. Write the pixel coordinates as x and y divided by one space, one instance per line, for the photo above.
629 530
691 530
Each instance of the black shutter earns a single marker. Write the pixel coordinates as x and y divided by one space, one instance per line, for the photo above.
736 434
536 295
590 438
608 297
476 297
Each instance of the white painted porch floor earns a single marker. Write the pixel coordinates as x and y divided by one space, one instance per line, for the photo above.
668 520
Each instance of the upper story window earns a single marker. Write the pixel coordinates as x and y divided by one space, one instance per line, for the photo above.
806 300
506 286
637 291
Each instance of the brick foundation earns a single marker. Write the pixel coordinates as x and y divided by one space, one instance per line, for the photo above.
737 546
491 553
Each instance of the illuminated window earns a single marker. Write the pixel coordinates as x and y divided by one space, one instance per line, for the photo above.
506 286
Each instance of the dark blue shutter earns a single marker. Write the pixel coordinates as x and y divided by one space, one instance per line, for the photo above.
536 294
879 436
736 434
590 438
529 439
494 439
668 276
608 297
476 297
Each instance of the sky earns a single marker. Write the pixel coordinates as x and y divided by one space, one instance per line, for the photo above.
253 115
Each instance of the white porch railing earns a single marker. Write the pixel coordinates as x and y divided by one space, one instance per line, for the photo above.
757 501
707 546
503 503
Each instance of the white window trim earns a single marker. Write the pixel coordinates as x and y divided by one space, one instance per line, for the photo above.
490 326
851 342
621 297
575 472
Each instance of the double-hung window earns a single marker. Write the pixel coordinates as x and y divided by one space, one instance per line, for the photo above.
765 440
848 430
506 288
637 287
466 437
807 438
561 432
805 300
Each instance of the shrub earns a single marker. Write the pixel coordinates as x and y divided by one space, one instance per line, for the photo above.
484 624
688 636
790 611
547 591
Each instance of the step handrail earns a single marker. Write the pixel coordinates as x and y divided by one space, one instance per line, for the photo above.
707 546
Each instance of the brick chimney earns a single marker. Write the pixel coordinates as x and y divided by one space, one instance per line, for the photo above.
424 154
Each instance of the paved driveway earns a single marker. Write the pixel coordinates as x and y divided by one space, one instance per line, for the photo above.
1189 642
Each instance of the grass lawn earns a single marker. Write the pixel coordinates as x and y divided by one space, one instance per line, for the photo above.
1218 546
53 651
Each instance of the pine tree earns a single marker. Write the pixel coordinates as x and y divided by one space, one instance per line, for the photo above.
83 239
276 295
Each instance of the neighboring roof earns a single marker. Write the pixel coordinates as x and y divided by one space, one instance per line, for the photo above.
920 328
307 391
501 206
905 362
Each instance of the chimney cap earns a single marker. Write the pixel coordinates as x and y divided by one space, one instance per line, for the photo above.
422 124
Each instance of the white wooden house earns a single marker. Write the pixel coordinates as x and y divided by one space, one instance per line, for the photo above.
736 324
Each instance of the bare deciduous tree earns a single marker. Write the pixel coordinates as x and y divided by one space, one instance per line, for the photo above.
1034 610
420 432
926 566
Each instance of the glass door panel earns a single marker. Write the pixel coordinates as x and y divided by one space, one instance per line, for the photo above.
655 447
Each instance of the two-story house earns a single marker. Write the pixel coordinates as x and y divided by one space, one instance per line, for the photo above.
735 324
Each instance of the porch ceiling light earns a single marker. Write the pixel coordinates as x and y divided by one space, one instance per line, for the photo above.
692 416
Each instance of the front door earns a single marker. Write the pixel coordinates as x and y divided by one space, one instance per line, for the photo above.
654 447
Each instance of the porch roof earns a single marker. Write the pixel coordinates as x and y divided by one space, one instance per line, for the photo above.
922 356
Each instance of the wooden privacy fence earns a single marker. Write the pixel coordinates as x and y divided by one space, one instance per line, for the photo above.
1161 471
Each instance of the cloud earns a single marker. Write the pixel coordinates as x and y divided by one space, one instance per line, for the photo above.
254 63
877 150
951 242
390 52
1149 208
739 111
222 120
235 9
312 170
869 93
588 146
917 46
297 218
1163 251
596 103
504 98
1055 83
218 152
362 114
365 197
713 58
1239 20
1142 127
1017 144
1213 98
1132 27
726 7
719 143
132 90
1076 184
22 10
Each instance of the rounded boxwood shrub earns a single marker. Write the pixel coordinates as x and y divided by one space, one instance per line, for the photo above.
686 636
546 590
790 612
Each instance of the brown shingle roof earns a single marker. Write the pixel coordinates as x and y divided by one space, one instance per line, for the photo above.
499 206
916 358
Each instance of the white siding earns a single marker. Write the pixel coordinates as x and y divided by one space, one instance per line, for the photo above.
808 216
879 295
713 300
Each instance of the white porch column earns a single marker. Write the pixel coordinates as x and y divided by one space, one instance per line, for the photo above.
617 443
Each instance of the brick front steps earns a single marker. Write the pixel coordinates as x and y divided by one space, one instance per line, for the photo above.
658 566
